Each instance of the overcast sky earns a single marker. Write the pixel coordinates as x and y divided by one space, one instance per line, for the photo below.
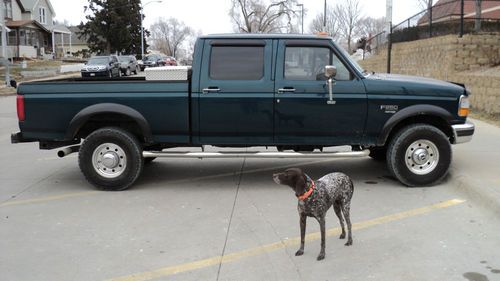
211 16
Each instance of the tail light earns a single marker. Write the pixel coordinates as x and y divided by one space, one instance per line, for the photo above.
463 106
20 108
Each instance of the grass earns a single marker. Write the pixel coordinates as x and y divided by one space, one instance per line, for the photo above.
493 119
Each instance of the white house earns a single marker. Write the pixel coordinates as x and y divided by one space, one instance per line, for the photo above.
32 30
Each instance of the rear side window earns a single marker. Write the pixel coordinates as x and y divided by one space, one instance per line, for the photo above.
237 62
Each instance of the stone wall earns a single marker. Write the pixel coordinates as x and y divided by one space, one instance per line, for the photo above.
453 59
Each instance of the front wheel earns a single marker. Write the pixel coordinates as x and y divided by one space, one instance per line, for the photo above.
419 155
111 159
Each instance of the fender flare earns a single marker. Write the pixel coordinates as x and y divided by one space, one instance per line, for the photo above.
413 111
85 114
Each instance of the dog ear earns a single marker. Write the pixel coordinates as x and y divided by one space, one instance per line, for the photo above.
300 184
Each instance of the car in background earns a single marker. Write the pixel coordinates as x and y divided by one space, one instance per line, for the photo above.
128 65
152 60
169 60
102 66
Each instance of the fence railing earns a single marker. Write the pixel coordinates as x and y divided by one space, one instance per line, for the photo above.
449 17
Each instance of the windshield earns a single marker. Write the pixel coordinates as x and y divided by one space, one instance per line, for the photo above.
98 61
150 58
124 59
353 62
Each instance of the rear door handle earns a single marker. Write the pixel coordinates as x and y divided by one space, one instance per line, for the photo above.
211 90
286 90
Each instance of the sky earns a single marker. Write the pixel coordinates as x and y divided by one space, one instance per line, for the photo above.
211 16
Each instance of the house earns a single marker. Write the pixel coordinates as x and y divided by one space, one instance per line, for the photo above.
450 10
31 28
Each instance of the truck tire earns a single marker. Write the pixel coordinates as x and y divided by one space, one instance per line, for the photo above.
111 159
378 153
419 155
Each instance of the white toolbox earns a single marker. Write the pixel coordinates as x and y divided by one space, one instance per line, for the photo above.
169 73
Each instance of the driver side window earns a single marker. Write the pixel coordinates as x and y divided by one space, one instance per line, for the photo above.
308 63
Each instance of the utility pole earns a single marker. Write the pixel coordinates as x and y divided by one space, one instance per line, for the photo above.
4 42
302 15
324 18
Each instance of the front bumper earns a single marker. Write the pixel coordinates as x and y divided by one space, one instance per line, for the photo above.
463 132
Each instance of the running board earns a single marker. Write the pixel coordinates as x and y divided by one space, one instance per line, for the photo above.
347 154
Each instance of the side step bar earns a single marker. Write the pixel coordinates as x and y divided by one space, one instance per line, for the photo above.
347 154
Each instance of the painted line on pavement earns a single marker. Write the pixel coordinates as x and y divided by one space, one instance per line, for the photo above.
47 199
185 267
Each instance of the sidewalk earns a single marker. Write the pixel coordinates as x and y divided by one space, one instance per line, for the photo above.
475 167
7 91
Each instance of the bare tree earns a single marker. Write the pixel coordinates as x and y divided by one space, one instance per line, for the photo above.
348 15
332 25
260 16
424 4
371 26
168 35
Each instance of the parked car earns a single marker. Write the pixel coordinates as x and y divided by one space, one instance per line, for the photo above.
128 65
251 90
169 60
152 60
102 66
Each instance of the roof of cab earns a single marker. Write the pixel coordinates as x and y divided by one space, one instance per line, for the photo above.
263 36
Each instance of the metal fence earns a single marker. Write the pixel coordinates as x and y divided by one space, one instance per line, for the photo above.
445 17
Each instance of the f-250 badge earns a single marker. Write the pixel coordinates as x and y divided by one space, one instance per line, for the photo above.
389 108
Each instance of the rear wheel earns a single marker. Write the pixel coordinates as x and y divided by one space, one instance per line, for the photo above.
111 159
419 155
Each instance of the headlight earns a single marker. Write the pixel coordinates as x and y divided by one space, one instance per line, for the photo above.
463 106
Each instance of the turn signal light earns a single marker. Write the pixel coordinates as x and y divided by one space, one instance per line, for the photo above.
20 108
463 106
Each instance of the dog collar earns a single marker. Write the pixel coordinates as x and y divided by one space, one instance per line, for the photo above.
308 192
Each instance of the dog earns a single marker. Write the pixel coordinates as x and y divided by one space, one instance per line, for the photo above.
316 197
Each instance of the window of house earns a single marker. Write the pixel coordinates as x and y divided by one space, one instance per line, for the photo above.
12 38
22 37
308 63
8 8
43 18
237 62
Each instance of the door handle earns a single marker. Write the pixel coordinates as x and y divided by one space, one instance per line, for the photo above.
211 90
286 90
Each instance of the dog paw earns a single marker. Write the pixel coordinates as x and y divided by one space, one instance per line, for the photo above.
342 236
321 256
349 243
299 252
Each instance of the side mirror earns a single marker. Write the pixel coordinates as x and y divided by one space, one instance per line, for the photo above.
330 71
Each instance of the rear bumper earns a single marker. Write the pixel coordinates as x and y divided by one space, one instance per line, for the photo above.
463 132
18 138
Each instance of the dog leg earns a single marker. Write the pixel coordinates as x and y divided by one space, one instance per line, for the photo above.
336 207
303 219
322 227
346 209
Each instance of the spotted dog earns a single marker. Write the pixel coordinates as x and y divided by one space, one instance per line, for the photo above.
316 197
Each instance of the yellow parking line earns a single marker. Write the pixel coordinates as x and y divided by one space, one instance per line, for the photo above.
47 199
171 270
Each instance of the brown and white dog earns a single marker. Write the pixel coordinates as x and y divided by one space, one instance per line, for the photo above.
316 197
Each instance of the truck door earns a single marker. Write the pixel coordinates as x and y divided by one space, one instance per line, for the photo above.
303 114
236 96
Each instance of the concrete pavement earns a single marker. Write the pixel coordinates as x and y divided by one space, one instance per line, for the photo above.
225 219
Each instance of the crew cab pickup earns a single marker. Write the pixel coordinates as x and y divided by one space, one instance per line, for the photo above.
296 93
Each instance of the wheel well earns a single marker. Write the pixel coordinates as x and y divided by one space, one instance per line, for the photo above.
435 121
99 121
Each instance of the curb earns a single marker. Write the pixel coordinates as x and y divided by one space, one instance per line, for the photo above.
483 195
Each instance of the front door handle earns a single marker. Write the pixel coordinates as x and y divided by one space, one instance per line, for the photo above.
211 90
286 90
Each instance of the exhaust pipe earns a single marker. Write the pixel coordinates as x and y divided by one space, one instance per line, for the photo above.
68 150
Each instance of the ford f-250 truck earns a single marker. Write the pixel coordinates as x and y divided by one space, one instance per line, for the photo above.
293 92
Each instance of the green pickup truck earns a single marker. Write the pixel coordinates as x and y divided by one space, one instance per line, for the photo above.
297 93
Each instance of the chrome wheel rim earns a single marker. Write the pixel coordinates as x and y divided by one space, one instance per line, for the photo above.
422 157
109 160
